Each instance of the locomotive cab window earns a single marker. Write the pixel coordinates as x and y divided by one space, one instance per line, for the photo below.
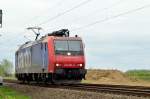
62 47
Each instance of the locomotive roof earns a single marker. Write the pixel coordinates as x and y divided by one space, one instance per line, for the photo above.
44 39
28 44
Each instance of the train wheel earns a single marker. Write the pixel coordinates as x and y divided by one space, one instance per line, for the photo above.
36 78
23 78
52 79
28 78
49 78
44 79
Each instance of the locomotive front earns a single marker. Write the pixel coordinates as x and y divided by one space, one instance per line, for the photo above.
69 58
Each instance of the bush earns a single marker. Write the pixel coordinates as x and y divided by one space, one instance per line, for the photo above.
139 74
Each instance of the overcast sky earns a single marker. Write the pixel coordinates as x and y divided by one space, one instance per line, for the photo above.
120 43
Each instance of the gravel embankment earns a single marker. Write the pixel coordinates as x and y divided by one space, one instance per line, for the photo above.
52 93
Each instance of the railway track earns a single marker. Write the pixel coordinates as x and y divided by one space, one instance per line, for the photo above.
140 91
115 89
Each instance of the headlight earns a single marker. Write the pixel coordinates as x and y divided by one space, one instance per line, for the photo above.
57 65
80 65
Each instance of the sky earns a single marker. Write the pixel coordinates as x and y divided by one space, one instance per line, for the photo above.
117 43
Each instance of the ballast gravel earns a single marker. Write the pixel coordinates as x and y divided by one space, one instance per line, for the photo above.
55 93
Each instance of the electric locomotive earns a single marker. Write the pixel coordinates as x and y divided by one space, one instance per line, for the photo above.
54 57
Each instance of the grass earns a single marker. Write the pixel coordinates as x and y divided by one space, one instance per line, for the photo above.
87 81
139 74
7 93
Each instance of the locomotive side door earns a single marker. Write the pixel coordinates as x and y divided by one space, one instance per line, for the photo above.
44 57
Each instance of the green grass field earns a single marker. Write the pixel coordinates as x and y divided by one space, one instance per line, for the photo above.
139 74
7 93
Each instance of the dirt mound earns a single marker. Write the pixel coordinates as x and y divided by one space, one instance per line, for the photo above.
98 76
106 76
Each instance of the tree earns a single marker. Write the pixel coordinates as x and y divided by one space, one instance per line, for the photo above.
6 67
1 71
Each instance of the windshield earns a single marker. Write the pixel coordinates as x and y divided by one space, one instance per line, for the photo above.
64 47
